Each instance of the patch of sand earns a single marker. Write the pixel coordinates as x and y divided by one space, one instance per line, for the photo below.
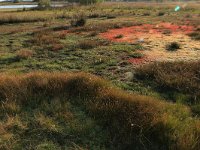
156 48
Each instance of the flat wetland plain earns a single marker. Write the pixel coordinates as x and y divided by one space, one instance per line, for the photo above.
101 77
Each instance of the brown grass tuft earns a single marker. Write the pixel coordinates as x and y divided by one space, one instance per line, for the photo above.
179 76
132 120
24 54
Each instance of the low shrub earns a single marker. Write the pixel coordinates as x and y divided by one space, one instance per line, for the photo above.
161 13
173 46
78 20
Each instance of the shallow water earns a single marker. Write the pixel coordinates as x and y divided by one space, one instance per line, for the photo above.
17 6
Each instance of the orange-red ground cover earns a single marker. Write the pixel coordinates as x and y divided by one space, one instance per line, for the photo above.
138 33
154 38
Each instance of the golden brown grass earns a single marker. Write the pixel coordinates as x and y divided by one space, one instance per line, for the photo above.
179 76
48 40
24 54
132 120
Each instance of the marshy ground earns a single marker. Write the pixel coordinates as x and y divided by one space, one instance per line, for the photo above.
149 50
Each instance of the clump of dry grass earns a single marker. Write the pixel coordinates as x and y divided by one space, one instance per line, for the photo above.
57 47
161 13
89 44
93 33
132 120
119 36
195 35
179 76
173 46
48 40
24 54
43 38
78 20
103 27
23 17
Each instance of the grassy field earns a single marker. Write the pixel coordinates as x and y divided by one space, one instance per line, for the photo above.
102 77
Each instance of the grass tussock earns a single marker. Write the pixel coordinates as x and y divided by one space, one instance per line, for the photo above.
22 17
102 27
183 77
89 44
24 54
173 46
43 37
48 40
195 35
129 119
78 20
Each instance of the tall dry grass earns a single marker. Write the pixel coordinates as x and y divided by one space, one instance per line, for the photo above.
177 76
132 120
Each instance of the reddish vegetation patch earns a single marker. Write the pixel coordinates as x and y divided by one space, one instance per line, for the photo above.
138 61
145 31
